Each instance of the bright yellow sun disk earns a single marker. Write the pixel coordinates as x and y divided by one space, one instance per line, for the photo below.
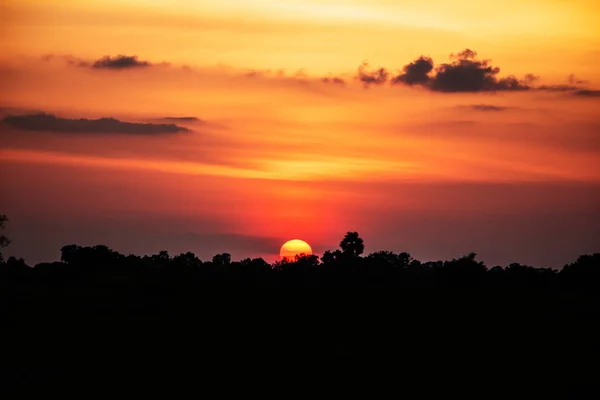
294 247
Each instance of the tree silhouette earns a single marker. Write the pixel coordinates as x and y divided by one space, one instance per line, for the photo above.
69 253
583 273
223 312
339 268
222 259
389 258
4 241
330 257
162 257
255 265
352 245
188 260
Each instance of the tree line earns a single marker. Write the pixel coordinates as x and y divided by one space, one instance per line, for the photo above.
344 267
98 317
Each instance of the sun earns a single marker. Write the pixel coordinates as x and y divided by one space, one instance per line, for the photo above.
294 247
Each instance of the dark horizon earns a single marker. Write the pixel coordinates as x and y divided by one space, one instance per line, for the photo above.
351 251
125 321
556 223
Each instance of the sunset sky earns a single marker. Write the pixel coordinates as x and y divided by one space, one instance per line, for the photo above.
290 140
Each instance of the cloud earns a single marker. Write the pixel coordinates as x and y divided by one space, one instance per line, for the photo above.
587 93
557 88
181 119
468 74
570 89
417 72
49 122
120 62
487 107
69 59
377 77
334 80
299 78
465 73
257 74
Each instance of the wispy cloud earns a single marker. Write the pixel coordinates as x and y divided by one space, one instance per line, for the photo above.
181 119
487 107
377 77
49 122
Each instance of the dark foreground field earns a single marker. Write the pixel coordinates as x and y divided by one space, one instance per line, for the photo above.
338 329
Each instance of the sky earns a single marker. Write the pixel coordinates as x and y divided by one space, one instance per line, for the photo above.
235 126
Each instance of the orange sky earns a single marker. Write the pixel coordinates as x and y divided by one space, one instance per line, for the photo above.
322 36
283 155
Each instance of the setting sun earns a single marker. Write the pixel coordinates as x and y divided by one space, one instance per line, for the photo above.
292 248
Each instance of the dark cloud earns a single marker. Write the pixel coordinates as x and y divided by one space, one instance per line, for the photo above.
570 90
572 87
334 80
487 107
180 119
465 73
415 73
49 122
377 77
120 62
587 93
468 74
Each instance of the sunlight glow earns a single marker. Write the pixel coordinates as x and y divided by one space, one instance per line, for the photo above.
292 248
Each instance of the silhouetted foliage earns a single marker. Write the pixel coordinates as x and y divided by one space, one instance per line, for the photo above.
352 245
344 267
222 259
583 273
144 312
187 261
330 257
4 241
